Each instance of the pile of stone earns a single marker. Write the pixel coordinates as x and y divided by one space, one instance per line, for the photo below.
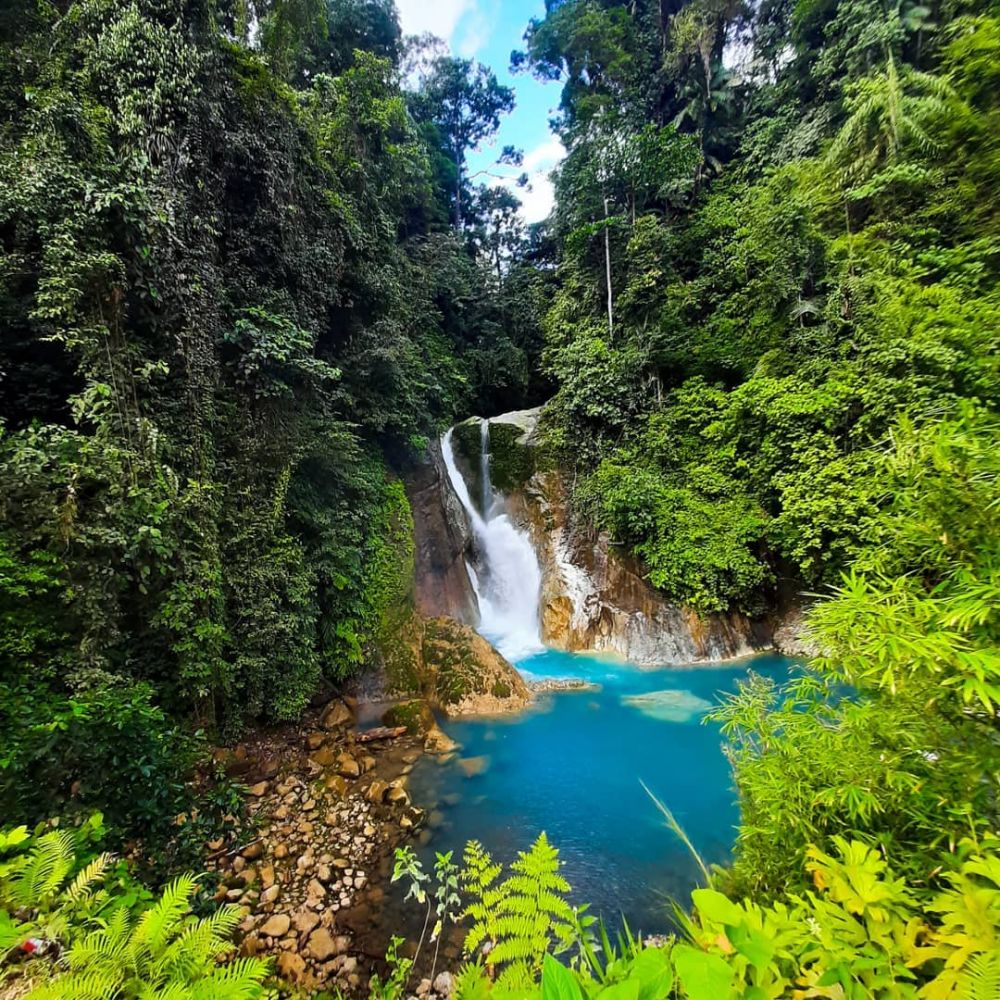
328 815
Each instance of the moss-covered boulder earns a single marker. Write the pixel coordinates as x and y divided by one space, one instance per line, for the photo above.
466 447
416 715
464 675
452 668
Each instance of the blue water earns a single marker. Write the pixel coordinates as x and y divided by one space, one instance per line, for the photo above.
572 767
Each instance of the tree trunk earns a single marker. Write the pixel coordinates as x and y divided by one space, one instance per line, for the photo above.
607 269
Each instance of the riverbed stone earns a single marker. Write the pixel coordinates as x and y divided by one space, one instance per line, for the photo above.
276 926
337 716
291 966
348 766
322 944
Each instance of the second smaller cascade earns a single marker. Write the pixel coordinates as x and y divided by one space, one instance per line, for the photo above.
507 579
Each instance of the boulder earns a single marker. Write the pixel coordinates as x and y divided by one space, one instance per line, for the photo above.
442 536
322 945
291 966
347 766
276 926
464 675
337 716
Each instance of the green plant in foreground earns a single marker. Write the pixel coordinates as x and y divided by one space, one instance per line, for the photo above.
861 934
166 953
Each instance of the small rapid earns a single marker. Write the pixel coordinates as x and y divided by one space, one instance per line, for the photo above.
507 579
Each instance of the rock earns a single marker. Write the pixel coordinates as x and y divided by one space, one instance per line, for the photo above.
424 988
415 715
336 784
377 791
397 796
322 944
305 921
281 852
438 742
442 535
348 766
259 789
314 741
791 635
464 675
276 926
596 596
267 876
444 984
471 766
337 716
271 894
291 966
323 757
253 851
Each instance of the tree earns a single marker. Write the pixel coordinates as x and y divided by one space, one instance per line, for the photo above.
465 101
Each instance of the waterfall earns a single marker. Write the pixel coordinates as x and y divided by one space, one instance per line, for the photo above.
507 579
484 466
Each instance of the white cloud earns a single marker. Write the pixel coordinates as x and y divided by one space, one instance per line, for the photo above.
439 17
537 203
476 32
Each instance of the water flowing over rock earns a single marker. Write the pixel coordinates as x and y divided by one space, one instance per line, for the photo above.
505 575
540 578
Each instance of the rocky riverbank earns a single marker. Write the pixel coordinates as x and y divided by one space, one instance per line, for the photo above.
328 805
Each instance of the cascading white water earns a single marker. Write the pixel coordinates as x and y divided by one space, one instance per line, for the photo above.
484 466
509 581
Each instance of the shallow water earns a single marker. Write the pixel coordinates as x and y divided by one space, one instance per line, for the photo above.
572 768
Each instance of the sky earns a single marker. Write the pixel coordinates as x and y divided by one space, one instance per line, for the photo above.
488 30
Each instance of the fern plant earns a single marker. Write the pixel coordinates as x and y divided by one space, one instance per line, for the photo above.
165 955
41 885
517 921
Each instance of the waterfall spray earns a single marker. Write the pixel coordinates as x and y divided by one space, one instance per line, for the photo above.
509 581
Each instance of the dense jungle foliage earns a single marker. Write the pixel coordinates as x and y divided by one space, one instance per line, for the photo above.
245 275
237 274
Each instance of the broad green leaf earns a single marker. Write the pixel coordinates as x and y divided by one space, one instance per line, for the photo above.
704 976
628 990
717 907
755 946
558 982
654 973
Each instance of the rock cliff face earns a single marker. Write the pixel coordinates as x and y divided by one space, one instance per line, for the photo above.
595 597
594 594
442 536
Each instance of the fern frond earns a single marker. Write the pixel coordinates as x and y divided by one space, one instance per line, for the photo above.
93 984
980 980
87 877
161 921
43 870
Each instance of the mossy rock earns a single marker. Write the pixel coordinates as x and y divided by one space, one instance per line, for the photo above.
402 655
464 674
416 715
466 446
512 462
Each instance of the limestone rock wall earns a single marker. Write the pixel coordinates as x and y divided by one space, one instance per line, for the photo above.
595 597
